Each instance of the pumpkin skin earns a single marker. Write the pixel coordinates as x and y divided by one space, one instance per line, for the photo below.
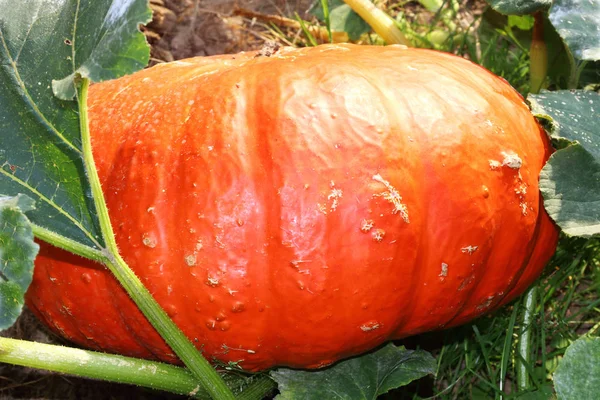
305 207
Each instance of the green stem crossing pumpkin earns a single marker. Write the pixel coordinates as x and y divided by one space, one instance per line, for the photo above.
299 206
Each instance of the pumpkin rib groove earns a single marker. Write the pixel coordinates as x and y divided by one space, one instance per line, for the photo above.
413 272
429 190
416 270
412 267
524 280
517 277
515 280
464 307
420 262
128 320
255 122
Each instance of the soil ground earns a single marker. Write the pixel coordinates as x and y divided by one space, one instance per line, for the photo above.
187 28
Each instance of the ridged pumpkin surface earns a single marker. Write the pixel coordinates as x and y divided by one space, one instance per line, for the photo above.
304 207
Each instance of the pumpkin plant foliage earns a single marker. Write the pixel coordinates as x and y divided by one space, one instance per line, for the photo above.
108 43
358 378
342 17
17 252
519 7
578 374
45 44
570 182
577 22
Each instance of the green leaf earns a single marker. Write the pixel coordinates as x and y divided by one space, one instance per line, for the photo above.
578 23
560 59
519 7
110 44
578 374
590 76
524 22
573 115
570 181
17 252
40 144
570 184
364 377
342 19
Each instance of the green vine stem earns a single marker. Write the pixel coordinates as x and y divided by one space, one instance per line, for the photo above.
381 23
524 351
179 343
120 369
538 67
92 364
70 245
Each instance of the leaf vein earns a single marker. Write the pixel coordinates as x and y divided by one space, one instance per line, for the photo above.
29 100
34 19
53 205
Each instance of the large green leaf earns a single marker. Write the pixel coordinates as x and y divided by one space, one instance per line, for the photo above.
519 7
544 392
17 252
40 146
578 23
109 45
578 374
570 181
590 75
560 59
364 377
523 22
570 184
342 18
573 115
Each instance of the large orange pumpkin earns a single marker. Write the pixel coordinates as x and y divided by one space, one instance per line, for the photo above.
306 206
